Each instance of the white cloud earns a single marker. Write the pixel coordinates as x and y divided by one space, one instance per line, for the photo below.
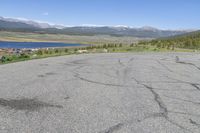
45 13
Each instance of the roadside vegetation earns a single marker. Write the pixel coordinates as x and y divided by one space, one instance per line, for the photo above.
106 48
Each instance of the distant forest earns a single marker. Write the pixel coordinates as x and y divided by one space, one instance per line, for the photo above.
189 41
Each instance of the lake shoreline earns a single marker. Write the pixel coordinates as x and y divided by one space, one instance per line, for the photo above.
37 45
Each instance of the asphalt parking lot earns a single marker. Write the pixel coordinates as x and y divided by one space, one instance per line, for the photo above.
102 93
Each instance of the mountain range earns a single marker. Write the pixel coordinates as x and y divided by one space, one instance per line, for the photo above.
24 25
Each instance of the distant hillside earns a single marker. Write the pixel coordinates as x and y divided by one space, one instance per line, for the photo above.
194 34
4 25
189 40
10 24
122 31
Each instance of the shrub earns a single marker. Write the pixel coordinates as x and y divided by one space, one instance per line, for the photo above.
56 51
50 52
3 59
104 46
25 56
39 52
132 45
66 50
75 50
46 52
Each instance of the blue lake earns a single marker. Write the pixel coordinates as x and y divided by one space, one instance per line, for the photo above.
31 45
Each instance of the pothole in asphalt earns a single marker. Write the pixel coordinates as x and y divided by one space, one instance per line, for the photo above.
26 104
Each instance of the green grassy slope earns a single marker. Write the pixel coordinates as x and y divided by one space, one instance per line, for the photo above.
36 37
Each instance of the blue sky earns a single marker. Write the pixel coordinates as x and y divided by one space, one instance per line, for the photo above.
165 14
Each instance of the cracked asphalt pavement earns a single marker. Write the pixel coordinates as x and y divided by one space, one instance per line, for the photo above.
102 93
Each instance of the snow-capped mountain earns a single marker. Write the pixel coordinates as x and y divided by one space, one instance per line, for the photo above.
37 24
25 25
